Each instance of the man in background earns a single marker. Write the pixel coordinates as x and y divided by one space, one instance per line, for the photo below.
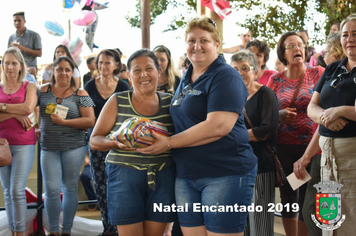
28 41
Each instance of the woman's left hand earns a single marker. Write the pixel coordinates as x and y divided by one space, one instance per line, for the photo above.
57 119
329 115
337 124
24 120
159 146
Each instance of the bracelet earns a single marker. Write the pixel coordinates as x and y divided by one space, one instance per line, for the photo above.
168 144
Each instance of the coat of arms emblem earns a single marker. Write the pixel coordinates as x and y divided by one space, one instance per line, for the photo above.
328 206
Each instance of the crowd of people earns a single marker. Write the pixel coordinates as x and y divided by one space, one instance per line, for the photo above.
225 121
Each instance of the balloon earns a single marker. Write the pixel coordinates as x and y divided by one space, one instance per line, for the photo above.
54 28
86 18
88 5
90 32
75 48
68 3
99 6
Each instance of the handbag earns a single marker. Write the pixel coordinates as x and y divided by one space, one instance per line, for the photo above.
5 153
280 175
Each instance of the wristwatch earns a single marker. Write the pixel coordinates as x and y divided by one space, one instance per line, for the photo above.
4 106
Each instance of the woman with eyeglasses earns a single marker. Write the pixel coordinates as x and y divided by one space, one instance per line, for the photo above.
262 111
294 89
216 166
261 50
169 79
332 107
65 112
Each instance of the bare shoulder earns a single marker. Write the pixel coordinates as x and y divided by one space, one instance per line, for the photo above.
82 92
44 87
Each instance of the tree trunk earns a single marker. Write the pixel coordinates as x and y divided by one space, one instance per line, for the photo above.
145 23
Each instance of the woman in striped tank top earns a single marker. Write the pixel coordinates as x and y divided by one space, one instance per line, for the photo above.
137 182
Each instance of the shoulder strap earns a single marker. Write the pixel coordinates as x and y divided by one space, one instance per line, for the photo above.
247 119
292 102
251 125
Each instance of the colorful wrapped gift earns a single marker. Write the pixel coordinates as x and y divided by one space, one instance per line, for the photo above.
137 132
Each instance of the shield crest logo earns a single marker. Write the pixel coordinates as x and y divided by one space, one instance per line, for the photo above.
328 208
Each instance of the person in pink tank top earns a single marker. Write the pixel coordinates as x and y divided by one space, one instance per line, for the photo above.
18 100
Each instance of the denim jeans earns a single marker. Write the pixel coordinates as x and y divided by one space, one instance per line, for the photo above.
205 196
60 173
13 180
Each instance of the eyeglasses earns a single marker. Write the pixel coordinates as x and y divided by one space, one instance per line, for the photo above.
336 82
180 97
245 69
293 46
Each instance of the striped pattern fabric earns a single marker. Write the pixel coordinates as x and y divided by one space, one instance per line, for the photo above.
262 223
133 159
125 134
300 131
60 137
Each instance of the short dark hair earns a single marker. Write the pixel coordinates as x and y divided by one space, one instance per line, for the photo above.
90 59
262 48
281 49
145 52
19 13
111 53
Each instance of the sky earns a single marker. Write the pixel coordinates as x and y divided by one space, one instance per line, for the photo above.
112 31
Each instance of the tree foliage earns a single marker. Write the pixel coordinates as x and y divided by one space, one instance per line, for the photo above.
267 19
336 10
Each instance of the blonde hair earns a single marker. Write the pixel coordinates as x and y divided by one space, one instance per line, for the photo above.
351 17
171 70
334 46
204 23
18 55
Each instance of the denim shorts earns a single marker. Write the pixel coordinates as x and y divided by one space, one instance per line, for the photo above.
218 203
131 201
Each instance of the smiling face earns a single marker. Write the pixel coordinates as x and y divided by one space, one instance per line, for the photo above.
202 49
348 39
297 54
63 73
12 67
248 75
144 75
107 65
